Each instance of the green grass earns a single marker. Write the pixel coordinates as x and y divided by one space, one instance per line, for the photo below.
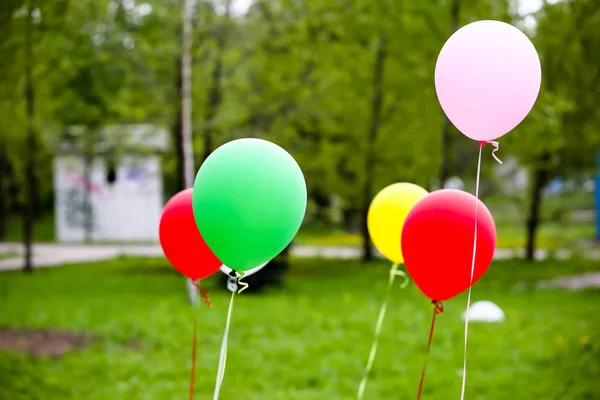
9 254
550 236
324 237
510 236
309 340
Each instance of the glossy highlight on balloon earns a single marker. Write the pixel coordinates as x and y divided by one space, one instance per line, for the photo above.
437 242
181 241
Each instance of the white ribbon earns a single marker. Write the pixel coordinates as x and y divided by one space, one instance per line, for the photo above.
464 377
232 284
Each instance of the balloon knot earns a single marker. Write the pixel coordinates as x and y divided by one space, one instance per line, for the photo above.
438 307
482 143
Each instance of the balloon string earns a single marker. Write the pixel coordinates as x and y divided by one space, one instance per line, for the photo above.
464 377
438 308
223 355
393 272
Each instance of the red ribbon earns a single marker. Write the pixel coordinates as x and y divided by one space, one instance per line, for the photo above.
438 308
193 376
205 296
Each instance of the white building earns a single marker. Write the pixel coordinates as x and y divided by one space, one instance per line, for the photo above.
124 196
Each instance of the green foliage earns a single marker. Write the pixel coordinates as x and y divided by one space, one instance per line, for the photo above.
92 66
301 74
137 311
564 121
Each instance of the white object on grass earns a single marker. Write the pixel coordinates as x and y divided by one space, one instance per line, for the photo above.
485 311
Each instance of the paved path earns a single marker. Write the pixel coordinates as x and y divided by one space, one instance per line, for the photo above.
577 282
53 254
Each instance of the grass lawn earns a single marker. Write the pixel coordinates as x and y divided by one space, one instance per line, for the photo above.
309 340
510 236
9 254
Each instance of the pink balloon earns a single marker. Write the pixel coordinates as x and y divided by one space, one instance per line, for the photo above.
487 79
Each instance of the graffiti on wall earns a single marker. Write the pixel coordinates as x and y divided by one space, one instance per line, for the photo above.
76 199
78 210
93 207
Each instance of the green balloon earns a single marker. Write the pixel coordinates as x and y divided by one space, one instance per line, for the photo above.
249 201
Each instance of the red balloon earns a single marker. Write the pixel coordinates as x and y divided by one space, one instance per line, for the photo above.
437 242
181 241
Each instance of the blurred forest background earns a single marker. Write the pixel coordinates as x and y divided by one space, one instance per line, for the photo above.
345 86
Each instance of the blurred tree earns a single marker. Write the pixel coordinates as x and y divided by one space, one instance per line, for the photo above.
220 30
558 137
305 75
186 143
445 145
5 93
32 139
312 90
374 126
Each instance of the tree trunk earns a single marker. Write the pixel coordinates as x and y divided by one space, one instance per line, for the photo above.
187 145
445 139
186 95
214 101
177 132
322 202
539 182
376 103
14 188
30 154
215 94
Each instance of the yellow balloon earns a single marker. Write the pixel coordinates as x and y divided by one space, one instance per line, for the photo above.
387 214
